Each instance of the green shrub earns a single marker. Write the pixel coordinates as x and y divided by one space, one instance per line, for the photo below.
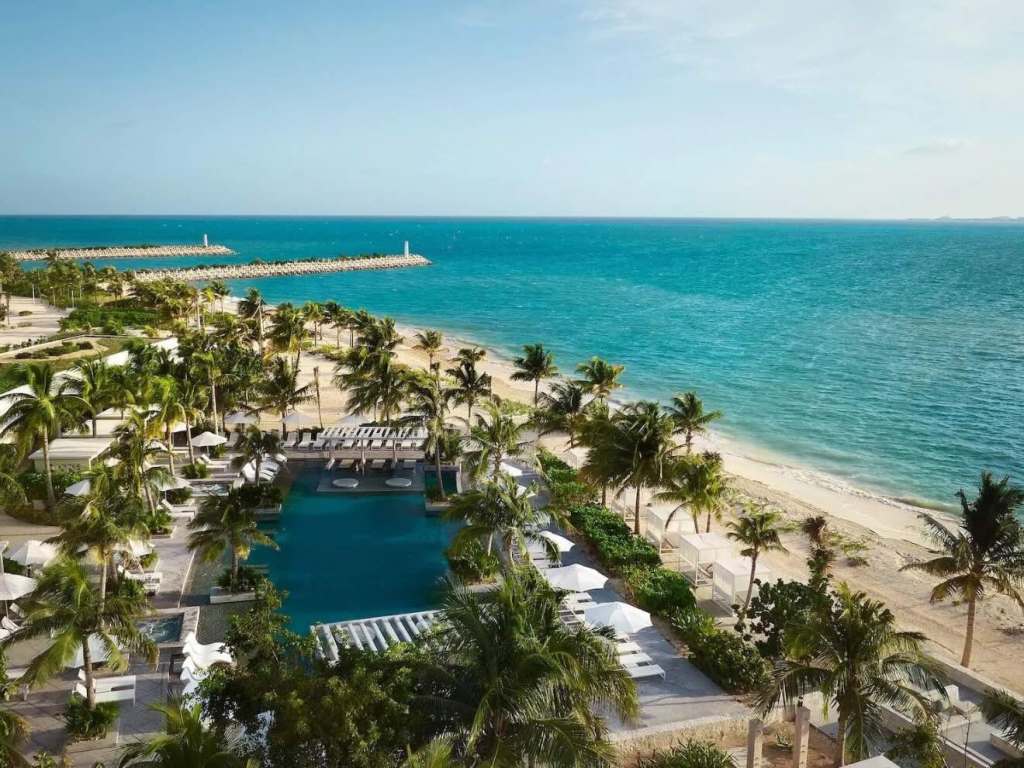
549 462
248 579
773 609
723 656
472 564
13 566
179 495
34 483
616 546
84 723
195 471
692 754
107 316
659 590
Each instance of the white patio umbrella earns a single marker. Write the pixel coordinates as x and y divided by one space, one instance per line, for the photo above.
298 419
207 440
34 552
81 488
136 548
97 653
511 469
13 586
575 577
172 482
622 617
240 417
563 544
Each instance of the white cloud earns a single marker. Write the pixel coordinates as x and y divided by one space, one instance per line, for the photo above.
938 147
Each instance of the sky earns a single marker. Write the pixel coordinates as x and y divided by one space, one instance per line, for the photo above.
793 108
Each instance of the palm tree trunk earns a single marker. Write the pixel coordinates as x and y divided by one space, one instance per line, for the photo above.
51 498
170 451
707 528
604 495
750 584
188 436
437 464
234 566
104 565
94 425
213 404
636 512
90 689
972 605
840 757
536 392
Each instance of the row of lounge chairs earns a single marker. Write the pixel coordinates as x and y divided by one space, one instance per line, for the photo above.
372 438
199 658
380 464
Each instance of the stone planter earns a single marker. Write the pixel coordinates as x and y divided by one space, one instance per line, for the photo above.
222 595
82 748
436 507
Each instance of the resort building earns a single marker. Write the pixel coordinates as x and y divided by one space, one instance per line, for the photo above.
71 453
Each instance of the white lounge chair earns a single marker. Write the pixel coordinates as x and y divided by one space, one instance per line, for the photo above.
330 464
233 440
150 581
9 625
305 442
204 656
647 670
637 659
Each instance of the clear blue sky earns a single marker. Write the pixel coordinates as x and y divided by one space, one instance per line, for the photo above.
563 107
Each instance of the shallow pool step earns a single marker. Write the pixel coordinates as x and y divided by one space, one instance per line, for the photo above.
374 634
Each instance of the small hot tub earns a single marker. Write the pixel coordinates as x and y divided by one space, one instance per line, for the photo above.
163 629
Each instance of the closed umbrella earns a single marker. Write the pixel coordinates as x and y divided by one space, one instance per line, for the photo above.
575 577
34 552
563 544
81 488
208 440
622 617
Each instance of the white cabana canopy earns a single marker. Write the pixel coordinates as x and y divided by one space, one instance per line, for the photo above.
661 530
34 552
698 552
511 469
13 586
81 488
575 578
622 617
208 440
563 544
731 577
240 417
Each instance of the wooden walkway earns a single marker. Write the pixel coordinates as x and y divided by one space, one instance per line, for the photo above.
122 252
277 268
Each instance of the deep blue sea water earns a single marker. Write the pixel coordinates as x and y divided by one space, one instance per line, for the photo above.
889 355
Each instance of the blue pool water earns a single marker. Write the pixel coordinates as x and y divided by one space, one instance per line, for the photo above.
347 556
887 354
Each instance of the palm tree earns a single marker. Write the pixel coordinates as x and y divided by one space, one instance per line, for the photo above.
852 653
91 383
502 509
256 446
252 308
597 433
39 409
288 331
67 610
136 452
375 384
431 342
428 404
563 409
697 482
338 317
470 386
192 398
280 391
313 312
492 439
210 364
184 743
1006 712
169 412
600 378
227 523
13 733
535 364
219 289
470 355
676 488
758 531
11 491
640 448
521 686
986 553
688 413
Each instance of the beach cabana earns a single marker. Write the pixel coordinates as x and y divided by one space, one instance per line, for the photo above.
730 579
698 552
71 453
661 530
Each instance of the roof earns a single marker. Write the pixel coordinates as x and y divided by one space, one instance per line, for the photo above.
67 448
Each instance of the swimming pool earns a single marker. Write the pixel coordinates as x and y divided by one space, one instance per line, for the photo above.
351 556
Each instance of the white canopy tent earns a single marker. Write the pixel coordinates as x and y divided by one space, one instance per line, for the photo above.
661 530
731 578
563 544
698 552
81 488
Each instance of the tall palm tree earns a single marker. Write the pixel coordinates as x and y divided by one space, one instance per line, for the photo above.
431 342
287 331
521 686
210 364
184 742
192 398
472 354
380 387
136 451
697 482
169 412
338 317
600 378
252 308
470 386
640 449
563 409
380 338
227 523
852 653
280 390
219 289
1006 712
676 488
13 734
91 383
38 410
501 509
985 554
313 312
758 531
690 417
67 610
535 364
429 402
597 432
495 437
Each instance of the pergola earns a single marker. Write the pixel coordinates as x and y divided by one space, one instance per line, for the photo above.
698 552
731 577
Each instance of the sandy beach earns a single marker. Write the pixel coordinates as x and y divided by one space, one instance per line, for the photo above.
890 530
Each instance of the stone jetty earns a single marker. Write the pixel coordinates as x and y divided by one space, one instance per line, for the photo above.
277 268
122 252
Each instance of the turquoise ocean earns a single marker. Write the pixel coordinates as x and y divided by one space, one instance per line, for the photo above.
889 356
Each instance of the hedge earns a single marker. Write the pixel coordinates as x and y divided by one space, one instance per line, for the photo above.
659 590
617 548
723 656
